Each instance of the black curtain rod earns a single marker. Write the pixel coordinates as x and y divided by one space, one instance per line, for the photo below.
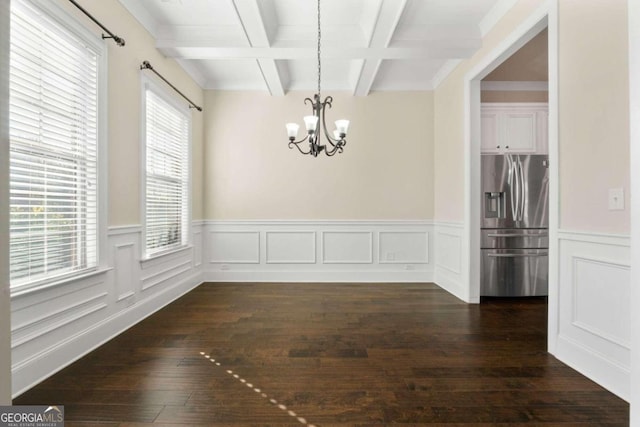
147 66
118 40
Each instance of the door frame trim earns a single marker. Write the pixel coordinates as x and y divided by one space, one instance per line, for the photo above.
546 16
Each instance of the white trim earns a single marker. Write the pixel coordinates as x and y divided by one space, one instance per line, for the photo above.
315 276
531 26
595 237
634 122
601 262
62 281
594 270
5 298
444 72
324 222
249 259
124 229
515 86
311 260
554 177
323 255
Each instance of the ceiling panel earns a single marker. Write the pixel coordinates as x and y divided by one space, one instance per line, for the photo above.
337 74
406 74
232 74
271 44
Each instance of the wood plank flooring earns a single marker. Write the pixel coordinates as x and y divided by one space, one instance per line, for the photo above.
330 355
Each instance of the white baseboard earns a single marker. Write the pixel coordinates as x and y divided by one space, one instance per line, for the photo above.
320 276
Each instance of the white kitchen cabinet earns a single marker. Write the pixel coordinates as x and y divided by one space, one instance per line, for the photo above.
518 128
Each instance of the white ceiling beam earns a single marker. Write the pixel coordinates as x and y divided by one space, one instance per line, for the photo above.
250 17
389 15
453 49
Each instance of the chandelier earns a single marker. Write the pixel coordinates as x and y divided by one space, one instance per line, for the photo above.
315 123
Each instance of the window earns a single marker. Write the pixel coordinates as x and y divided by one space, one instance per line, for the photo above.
53 131
166 185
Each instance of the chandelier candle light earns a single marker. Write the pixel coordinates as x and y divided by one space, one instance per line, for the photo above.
315 123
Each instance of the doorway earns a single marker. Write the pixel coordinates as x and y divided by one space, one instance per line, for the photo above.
544 18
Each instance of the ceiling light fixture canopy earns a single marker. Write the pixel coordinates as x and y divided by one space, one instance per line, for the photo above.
315 123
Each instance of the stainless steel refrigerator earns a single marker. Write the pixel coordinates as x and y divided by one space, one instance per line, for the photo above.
514 225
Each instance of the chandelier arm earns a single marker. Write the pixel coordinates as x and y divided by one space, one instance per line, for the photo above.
336 149
296 144
327 101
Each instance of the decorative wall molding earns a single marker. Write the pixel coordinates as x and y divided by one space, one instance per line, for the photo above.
233 246
594 313
448 258
324 251
57 325
290 247
347 247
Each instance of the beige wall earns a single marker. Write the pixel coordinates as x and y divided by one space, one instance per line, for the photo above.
449 119
594 113
385 172
124 106
529 63
5 301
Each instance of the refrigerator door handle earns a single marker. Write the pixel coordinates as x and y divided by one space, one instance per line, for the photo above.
517 235
522 190
516 170
541 254
513 183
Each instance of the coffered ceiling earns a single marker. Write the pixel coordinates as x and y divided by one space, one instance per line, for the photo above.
271 44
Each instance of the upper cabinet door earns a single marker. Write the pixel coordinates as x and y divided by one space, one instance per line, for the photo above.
520 133
518 128
490 142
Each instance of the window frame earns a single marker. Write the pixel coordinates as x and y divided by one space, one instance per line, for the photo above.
160 90
64 23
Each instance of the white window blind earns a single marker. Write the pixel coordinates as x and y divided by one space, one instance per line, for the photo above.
167 174
53 100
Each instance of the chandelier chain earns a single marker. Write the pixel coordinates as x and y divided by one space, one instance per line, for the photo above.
319 36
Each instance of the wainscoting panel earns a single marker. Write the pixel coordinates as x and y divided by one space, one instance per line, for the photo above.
57 324
234 247
347 247
594 312
448 258
320 251
404 247
291 247
125 280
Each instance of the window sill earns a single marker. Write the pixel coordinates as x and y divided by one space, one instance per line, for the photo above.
25 290
161 256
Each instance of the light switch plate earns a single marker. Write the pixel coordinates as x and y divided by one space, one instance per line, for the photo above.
616 199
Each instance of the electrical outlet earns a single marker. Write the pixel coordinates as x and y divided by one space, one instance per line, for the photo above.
616 199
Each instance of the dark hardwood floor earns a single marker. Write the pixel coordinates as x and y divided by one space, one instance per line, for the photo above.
330 355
